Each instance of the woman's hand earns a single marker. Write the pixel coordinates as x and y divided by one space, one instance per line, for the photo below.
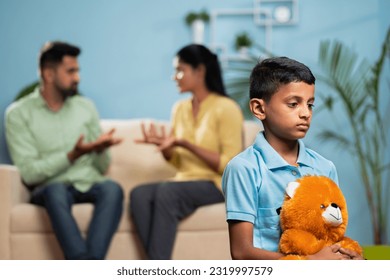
160 139
151 135
165 144
168 143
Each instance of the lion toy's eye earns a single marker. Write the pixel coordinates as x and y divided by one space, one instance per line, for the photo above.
322 206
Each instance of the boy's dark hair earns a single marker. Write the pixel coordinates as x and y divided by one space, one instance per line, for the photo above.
268 75
194 55
52 53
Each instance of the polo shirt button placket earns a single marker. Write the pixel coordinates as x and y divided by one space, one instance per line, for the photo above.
294 172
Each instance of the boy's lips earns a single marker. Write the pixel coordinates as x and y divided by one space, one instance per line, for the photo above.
303 125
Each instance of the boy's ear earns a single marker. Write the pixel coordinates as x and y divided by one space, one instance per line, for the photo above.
257 107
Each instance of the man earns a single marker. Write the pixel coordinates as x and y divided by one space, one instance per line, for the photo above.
55 140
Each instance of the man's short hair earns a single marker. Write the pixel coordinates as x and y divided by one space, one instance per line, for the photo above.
53 52
268 75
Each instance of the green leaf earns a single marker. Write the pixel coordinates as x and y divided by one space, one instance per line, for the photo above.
355 85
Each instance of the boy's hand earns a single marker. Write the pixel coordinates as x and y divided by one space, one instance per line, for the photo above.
352 254
335 252
329 253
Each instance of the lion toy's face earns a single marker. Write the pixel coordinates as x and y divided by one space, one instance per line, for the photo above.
317 205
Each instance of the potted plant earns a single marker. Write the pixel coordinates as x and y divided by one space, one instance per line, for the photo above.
242 43
197 23
237 73
193 16
27 90
358 91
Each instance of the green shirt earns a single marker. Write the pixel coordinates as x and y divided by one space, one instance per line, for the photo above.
39 140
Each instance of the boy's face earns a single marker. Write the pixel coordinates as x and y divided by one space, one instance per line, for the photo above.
287 115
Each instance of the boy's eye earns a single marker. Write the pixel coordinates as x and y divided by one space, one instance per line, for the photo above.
292 104
311 106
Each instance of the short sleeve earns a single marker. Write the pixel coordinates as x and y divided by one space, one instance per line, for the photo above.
333 173
239 188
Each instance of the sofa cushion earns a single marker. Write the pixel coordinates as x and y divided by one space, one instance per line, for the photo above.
132 164
29 218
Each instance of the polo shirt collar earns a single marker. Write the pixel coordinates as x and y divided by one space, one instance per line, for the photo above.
272 159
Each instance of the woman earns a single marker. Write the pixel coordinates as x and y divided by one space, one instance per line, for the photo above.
206 134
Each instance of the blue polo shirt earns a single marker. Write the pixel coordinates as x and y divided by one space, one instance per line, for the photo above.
254 185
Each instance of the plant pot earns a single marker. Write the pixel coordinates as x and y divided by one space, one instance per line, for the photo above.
243 52
197 31
377 252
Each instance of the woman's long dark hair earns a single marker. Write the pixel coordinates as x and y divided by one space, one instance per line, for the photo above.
196 55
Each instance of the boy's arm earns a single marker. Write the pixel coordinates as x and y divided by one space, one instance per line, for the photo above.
241 200
241 247
241 243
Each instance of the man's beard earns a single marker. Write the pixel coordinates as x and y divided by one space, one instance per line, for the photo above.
68 92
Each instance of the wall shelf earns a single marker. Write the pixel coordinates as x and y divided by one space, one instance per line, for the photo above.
265 14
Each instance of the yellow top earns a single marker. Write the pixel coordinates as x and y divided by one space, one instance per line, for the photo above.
218 127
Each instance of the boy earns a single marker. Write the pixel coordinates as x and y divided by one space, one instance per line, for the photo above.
282 97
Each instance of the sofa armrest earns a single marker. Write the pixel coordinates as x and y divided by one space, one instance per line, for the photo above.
12 192
11 186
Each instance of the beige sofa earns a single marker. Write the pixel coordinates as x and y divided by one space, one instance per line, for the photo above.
26 233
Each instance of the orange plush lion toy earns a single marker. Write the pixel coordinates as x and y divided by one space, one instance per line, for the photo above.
313 215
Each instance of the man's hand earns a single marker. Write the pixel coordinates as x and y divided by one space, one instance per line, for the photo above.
106 140
103 142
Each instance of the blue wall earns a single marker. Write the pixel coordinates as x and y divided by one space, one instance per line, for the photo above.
128 46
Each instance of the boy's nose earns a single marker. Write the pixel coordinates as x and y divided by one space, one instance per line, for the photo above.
305 112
